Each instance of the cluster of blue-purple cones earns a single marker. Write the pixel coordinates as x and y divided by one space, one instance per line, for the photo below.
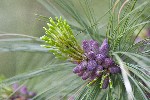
21 93
97 62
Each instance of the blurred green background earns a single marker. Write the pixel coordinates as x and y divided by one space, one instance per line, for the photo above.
19 17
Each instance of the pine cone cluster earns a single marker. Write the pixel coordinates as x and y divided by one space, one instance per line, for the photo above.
22 93
97 63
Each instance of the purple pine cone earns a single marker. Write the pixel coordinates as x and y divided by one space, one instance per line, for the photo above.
15 86
100 58
104 49
98 73
100 68
91 65
91 42
81 68
93 76
31 94
94 46
76 70
82 65
80 73
13 97
86 46
85 75
105 83
114 70
108 62
91 55
23 90
22 94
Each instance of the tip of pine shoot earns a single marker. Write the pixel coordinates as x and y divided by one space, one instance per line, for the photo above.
42 45
44 28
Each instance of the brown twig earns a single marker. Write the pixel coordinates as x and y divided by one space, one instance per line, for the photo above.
121 10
